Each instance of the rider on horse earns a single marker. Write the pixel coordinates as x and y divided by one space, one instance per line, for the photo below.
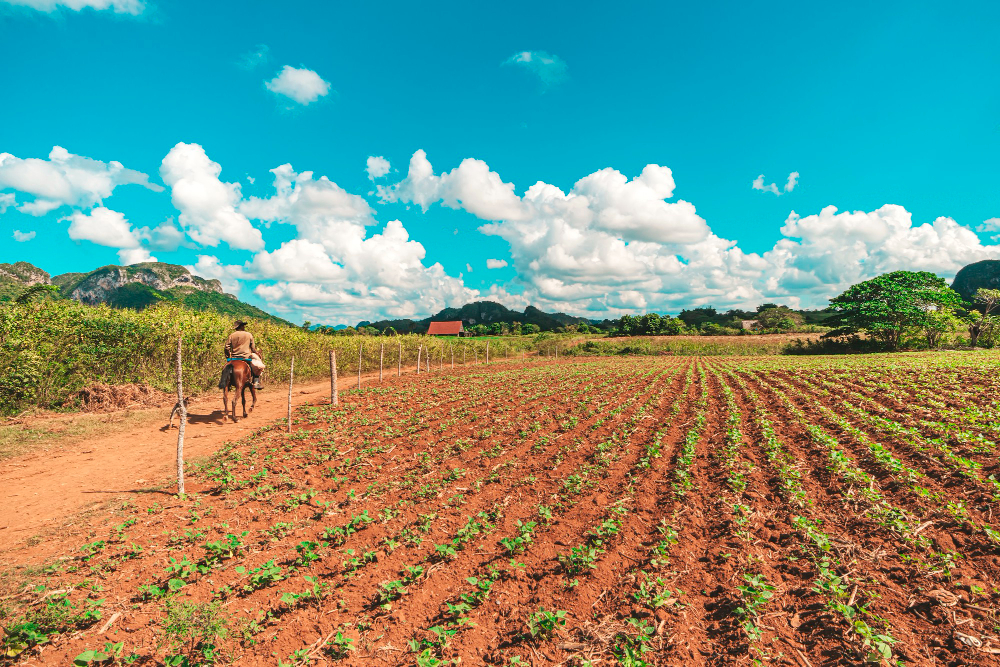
239 346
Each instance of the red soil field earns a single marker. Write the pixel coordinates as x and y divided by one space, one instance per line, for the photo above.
661 511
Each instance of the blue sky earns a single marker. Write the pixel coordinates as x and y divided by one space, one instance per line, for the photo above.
888 112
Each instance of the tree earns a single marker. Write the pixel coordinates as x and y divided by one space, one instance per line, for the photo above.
778 318
889 306
978 322
938 323
528 329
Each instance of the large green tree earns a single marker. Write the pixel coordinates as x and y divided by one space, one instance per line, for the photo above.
889 306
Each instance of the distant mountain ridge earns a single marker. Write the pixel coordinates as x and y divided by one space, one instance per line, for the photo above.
136 286
482 312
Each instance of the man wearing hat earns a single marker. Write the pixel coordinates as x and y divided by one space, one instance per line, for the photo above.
240 346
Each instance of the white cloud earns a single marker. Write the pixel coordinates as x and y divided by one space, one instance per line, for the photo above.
612 244
990 225
7 199
21 237
758 184
496 263
165 236
207 205
210 267
550 69
301 85
39 207
128 256
334 268
468 267
377 167
103 227
133 7
66 179
470 186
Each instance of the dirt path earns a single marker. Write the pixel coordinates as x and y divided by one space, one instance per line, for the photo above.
45 490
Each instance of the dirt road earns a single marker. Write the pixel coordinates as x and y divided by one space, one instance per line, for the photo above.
48 490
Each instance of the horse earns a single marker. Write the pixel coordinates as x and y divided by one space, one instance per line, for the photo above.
237 374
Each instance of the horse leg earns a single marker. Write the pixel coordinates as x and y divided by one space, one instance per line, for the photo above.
253 395
225 404
243 396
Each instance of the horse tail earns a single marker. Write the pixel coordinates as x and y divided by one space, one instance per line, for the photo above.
227 377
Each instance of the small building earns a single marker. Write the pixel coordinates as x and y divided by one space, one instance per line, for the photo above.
446 329
749 324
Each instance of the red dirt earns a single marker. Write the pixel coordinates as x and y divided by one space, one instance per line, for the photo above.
467 459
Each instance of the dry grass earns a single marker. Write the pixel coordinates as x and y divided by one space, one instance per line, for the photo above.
47 431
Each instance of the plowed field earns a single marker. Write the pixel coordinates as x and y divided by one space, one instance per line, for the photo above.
659 511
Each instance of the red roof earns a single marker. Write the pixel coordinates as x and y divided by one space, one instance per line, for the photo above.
445 328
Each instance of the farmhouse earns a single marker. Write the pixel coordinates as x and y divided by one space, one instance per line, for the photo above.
446 329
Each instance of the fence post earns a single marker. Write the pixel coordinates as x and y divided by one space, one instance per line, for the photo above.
420 349
452 346
361 347
334 395
476 353
427 357
487 353
180 427
381 359
464 348
442 359
399 360
291 376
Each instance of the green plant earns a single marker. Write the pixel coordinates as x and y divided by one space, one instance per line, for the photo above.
543 624
192 632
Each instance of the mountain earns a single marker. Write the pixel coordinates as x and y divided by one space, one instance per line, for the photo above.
137 286
979 274
482 312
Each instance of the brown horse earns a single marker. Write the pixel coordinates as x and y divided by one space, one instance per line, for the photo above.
237 375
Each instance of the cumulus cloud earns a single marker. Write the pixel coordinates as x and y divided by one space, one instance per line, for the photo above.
103 227
207 205
377 167
470 186
496 263
793 180
133 7
7 199
298 84
334 267
209 267
65 179
21 237
128 256
550 69
614 244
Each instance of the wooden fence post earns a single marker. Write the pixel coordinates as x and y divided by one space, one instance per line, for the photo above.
361 347
334 395
180 427
442 359
452 346
476 352
464 348
487 353
427 357
381 359
291 377
420 349
399 360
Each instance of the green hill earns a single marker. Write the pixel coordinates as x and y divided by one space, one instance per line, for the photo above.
136 287
482 312
979 274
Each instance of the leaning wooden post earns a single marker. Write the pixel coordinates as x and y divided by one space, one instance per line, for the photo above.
487 353
452 346
291 377
399 360
427 358
361 347
420 350
381 360
334 396
180 428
